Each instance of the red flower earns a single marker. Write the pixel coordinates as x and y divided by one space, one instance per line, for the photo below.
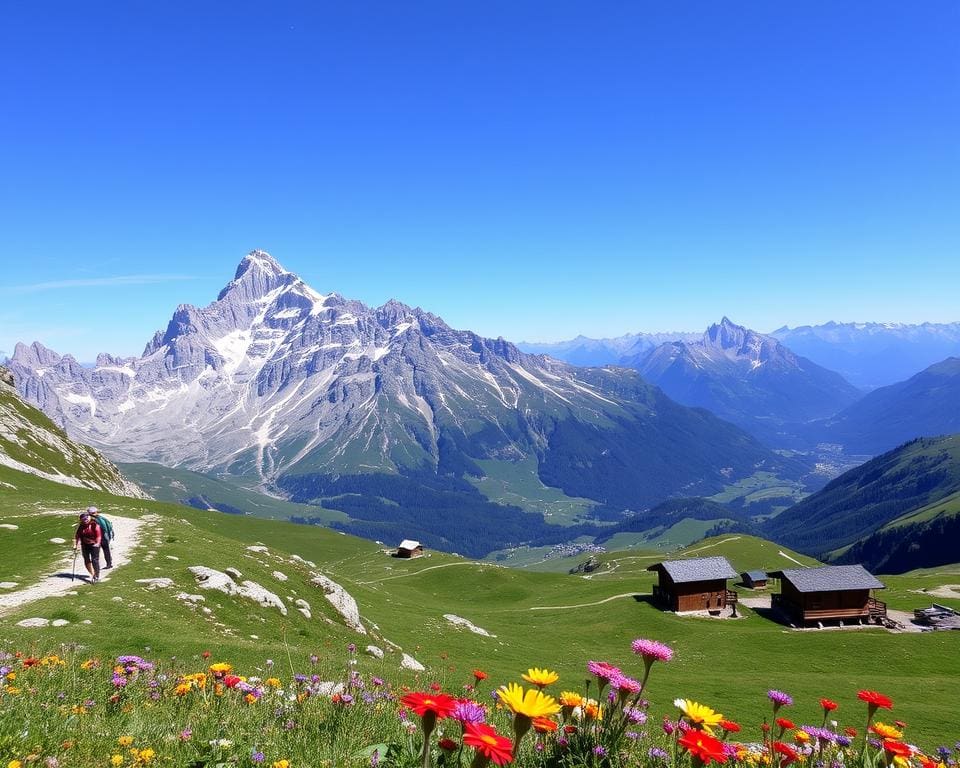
828 705
544 725
703 746
875 700
896 748
439 704
206 654
488 743
900 724
231 681
784 723
479 674
851 732
765 727
729 726
436 687
30 662
568 729
789 754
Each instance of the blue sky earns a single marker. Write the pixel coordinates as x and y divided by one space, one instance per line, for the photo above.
532 170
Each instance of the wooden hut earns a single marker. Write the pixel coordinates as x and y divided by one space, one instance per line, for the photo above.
409 548
754 579
828 593
697 584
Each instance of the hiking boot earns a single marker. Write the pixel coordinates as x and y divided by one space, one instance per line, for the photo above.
108 565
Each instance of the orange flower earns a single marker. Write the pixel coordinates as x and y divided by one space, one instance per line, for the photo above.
729 726
784 723
479 675
896 748
885 731
828 705
788 753
544 725
703 746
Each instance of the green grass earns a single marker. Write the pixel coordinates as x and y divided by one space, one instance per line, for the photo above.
27 551
539 619
948 505
761 486
177 485
518 483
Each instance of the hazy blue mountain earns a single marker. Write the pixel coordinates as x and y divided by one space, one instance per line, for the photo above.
924 405
871 355
385 413
589 352
747 378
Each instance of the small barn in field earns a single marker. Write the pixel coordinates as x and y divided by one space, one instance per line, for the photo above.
409 548
754 579
697 584
828 593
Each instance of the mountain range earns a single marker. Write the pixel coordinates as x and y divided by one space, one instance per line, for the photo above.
386 414
593 352
747 378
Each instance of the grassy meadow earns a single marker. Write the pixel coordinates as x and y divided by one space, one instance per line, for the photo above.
533 618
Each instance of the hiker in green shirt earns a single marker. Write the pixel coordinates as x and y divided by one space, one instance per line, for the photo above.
106 535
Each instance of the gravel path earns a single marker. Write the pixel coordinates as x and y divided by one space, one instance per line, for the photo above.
127 532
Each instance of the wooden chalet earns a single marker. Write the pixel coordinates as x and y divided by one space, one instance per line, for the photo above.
409 548
754 579
828 593
697 584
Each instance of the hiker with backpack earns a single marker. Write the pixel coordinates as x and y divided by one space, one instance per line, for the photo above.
106 535
88 539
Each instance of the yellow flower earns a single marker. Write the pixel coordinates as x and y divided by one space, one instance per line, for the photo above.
540 677
11 676
273 682
89 664
801 737
14 764
698 714
182 689
145 756
220 669
116 760
250 698
531 703
12 690
571 699
593 710
280 764
885 731
125 741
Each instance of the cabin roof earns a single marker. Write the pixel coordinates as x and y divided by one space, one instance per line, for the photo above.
829 578
409 544
696 569
756 575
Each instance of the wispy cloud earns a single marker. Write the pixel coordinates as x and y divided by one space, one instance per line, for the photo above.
90 282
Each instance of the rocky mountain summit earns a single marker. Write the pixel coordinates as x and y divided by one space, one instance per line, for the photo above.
747 377
323 398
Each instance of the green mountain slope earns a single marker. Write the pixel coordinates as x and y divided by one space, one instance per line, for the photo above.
864 500
925 404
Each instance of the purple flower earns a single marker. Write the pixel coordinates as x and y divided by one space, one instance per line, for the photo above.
635 715
657 754
269 663
632 735
314 658
469 712
352 648
257 757
376 681
186 734
843 741
603 671
779 699
599 751
651 650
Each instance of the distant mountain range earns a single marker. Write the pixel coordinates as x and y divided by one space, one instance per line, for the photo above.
386 414
592 352
747 378
871 355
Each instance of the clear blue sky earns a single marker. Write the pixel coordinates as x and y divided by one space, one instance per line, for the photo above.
526 169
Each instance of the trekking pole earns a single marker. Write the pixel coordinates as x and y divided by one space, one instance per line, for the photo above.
73 568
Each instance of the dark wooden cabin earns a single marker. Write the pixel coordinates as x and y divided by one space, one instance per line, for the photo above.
754 579
409 548
698 584
828 593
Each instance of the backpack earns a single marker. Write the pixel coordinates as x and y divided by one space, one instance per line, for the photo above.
106 527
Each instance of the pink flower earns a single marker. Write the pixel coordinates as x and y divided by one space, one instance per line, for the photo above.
651 650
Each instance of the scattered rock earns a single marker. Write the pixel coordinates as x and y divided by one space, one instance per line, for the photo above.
159 583
188 598
7 584
233 573
374 651
257 548
279 576
59 623
408 662
206 611
86 621
208 578
329 689
306 613
117 599
254 637
459 621
301 603
342 602
172 557
36 622
9 526
57 540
